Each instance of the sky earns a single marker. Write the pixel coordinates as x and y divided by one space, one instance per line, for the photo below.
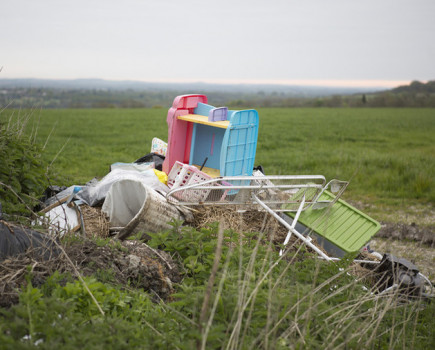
304 42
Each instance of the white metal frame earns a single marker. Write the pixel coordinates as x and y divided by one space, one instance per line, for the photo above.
253 187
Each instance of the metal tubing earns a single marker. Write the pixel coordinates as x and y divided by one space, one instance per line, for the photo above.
293 225
300 236
200 186
359 261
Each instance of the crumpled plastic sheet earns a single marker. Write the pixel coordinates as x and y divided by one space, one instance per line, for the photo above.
94 195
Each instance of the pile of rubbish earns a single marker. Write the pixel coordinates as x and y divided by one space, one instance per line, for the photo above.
205 172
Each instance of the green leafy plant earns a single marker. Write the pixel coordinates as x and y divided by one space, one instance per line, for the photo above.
23 172
194 248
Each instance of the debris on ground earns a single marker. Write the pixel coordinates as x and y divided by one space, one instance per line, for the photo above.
412 232
249 221
15 240
135 198
420 254
130 263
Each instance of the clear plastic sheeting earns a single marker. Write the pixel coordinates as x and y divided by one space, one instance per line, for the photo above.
133 206
58 198
93 195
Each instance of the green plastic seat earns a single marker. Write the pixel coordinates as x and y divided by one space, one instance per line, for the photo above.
341 224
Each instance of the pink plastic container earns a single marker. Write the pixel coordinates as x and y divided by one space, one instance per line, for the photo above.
183 175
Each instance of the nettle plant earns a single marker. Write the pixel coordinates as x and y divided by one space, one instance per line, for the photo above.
23 172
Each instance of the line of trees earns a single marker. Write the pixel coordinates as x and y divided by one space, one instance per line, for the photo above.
416 94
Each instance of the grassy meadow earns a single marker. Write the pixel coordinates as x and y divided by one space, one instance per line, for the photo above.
387 154
235 291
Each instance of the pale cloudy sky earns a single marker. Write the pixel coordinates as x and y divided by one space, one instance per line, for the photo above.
242 41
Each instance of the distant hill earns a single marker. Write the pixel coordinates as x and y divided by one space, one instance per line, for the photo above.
416 87
98 93
416 94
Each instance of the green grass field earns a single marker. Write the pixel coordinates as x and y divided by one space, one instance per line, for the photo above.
387 154
253 299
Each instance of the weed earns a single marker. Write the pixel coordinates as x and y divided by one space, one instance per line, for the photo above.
23 172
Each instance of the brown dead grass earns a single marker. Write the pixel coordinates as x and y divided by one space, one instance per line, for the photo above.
95 222
249 221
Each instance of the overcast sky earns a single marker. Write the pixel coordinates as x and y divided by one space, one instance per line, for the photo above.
269 41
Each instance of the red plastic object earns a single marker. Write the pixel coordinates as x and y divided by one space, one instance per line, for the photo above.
179 132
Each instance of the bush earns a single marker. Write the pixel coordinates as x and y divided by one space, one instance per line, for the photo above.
23 172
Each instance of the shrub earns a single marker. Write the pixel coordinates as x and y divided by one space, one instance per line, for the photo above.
23 172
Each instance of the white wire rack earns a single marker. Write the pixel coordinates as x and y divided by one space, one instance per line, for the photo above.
278 192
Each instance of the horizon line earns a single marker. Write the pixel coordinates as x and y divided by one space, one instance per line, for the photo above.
299 82
355 83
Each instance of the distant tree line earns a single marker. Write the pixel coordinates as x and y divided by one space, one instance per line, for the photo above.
416 94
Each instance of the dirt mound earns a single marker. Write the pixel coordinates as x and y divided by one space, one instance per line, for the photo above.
130 262
127 262
413 232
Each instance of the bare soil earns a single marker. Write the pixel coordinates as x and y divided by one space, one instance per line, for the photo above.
423 235
407 232
412 242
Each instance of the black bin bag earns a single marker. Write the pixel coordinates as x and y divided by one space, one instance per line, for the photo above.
152 157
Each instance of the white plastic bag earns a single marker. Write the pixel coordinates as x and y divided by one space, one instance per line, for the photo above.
93 195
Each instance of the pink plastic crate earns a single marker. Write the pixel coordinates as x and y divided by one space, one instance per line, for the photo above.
183 175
